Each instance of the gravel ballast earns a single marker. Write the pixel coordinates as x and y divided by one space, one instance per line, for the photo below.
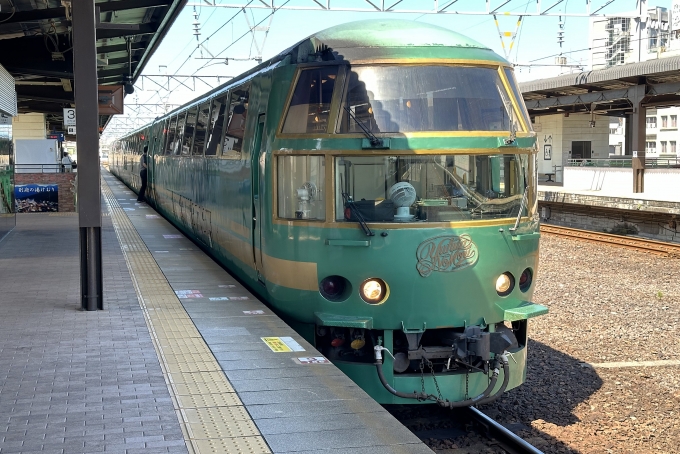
607 304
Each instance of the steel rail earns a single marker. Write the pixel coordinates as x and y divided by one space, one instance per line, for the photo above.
506 438
639 244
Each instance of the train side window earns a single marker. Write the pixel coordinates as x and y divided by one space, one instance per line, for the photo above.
236 123
219 107
179 134
310 105
201 127
172 127
189 128
301 187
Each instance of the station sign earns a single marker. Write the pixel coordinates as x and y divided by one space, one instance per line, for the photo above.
55 136
69 117
70 130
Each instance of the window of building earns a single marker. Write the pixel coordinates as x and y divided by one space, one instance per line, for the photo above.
664 121
673 149
650 147
664 146
674 121
651 122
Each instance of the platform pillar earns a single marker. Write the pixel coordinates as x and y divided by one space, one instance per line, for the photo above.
87 142
638 125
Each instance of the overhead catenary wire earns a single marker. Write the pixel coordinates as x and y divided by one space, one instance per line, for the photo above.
208 63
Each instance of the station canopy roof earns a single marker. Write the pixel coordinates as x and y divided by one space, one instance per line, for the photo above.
36 42
605 91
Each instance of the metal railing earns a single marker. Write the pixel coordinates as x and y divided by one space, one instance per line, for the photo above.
43 168
625 162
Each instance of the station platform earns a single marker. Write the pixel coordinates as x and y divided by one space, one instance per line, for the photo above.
619 199
174 363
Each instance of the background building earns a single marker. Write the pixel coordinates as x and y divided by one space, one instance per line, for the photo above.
618 41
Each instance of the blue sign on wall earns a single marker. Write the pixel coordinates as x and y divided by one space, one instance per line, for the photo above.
36 198
56 136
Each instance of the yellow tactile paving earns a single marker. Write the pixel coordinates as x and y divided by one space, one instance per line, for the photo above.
212 416
183 389
209 400
254 445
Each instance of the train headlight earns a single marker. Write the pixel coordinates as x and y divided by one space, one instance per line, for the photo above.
504 284
373 291
335 288
525 280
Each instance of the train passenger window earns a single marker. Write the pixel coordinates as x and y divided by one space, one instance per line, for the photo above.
436 188
391 99
201 125
172 127
235 127
189 127
310 105
215 126
179 134
301 187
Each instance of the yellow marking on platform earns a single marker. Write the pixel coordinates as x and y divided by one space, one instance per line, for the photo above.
276 344
212 417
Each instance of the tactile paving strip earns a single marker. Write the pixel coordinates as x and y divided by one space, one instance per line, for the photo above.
212 416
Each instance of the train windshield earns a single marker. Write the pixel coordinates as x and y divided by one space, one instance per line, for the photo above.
439 188
388 99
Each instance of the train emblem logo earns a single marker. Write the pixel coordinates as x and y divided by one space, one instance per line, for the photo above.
446 253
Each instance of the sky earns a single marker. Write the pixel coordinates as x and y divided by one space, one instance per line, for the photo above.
224 32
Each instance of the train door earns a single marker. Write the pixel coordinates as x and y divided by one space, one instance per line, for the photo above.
257 169
154 141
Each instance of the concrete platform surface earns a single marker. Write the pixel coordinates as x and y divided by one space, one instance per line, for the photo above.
175 362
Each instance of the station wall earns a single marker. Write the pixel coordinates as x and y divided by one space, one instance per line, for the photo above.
29 126
556 134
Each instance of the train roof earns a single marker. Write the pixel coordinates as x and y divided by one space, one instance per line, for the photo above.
388 38
366 41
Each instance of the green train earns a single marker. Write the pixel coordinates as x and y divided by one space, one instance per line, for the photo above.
375 184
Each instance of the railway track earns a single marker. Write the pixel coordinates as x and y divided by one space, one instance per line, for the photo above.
639 244
462 430
509 441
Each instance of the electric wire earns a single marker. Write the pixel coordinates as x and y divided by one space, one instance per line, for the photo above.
208 63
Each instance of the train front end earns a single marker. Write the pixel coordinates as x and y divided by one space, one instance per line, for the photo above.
404 205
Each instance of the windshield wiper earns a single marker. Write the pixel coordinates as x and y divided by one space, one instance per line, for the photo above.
349 203
375 142
521 207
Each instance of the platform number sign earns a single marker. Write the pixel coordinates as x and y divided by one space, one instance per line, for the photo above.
69 117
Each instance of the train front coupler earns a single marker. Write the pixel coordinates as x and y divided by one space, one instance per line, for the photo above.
470 351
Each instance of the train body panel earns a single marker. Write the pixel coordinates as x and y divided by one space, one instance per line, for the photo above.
367 219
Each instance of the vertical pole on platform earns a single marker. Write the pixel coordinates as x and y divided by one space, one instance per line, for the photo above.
87 142
639 133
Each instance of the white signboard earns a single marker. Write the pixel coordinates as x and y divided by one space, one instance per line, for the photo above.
69 117
675 15
5 119
70 129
